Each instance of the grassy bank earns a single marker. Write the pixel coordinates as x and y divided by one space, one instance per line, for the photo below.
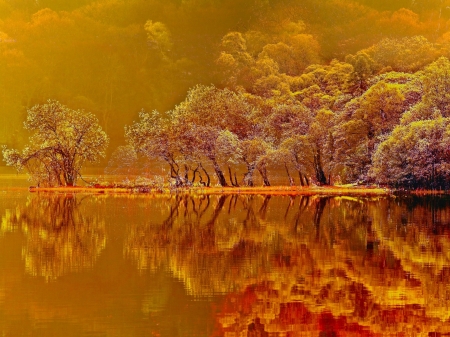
272 190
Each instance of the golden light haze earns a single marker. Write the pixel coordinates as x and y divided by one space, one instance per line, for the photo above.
114 57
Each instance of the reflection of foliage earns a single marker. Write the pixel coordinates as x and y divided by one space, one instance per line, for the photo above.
208 233
336 264
60 237
190 241
418 239
156 296
9 221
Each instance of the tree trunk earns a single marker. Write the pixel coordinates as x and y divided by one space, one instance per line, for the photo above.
68 171
248 176
306 180
263 172
235 180
208 179
231 177
175 172
320 175
194 174
186 175
219 174
69 177
302 183
58 177
291 180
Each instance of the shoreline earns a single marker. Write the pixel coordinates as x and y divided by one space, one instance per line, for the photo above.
269 190
339 190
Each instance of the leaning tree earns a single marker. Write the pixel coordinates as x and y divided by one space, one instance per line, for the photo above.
62 141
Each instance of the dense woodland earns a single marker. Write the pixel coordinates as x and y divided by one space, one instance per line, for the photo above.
328 91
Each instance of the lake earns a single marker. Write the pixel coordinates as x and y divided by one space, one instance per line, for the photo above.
235 265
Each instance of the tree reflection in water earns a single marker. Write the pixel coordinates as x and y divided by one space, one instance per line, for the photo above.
61 237
307 265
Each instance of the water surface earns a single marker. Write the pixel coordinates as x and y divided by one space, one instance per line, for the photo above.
173 265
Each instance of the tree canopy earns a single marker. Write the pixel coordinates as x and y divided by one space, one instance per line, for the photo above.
62 141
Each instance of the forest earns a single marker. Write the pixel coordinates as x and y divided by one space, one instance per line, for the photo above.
329 92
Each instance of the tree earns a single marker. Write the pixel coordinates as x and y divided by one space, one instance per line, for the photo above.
62 141
333 79
363 68
380 108
124 160
415 155
158 36
297 150
352 150
321 143
234 61
431 88
204 115
287 120
229 148
436 86
255 156
366 121
407 54
152 136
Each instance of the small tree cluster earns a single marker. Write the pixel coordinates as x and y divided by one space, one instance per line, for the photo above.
223 129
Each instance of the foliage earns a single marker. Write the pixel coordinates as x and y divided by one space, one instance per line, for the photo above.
345 124
415 155
124 160
62 141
